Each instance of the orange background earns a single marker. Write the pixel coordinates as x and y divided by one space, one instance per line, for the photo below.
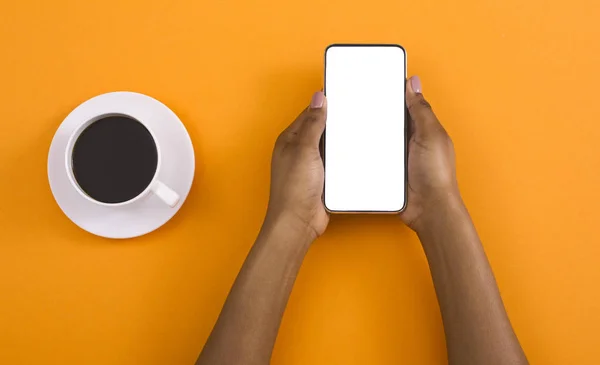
515 83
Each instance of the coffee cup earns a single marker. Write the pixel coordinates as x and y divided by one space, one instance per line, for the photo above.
114 160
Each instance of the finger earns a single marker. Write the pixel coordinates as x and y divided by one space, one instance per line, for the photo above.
421 114
296 125
314 120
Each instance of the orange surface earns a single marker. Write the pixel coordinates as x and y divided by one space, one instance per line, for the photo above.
515 82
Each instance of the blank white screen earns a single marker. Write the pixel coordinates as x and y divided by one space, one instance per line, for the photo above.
364 137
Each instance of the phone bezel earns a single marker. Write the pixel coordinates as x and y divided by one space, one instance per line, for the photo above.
406 131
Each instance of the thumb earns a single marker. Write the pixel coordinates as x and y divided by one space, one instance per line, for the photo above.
422 118
314 117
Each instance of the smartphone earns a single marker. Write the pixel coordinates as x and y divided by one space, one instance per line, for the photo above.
364 143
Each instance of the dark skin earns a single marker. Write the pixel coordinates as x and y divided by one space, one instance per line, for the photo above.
476 326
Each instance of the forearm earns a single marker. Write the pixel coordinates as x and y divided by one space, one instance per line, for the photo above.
247 327
477 328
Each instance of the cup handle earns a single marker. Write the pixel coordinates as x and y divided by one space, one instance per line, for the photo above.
165 193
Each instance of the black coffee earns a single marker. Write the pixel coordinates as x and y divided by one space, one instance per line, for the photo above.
114 159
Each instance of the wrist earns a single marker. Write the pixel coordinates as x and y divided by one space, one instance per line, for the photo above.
289 228
437 211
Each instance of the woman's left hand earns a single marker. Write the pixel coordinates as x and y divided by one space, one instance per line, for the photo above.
297 172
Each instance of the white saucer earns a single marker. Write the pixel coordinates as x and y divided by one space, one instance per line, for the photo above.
147 214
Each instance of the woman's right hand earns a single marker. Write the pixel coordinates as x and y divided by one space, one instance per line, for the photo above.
431 167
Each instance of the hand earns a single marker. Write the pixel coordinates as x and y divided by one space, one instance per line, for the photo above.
431 163
297 172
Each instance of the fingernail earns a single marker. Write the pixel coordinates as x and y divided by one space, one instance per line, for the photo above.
317 100
415 83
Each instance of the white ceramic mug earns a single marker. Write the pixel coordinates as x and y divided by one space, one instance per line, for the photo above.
156 187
